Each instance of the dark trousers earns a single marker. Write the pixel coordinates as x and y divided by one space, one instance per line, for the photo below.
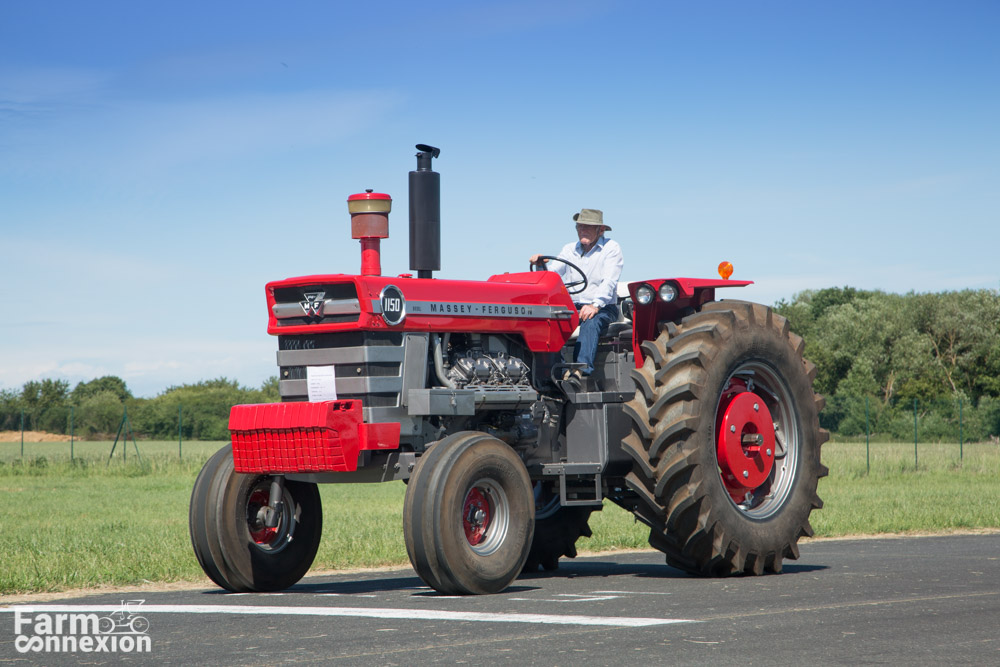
590 330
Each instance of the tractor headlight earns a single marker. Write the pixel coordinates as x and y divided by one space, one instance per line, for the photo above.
668 292
644 295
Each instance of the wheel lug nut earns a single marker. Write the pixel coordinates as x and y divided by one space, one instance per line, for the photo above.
769 452
732 429
745 474
756 407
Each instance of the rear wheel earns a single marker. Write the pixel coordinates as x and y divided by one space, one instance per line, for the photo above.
468 515
234 546
557 529
726 441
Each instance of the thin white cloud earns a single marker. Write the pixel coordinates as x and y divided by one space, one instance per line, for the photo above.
122 136
40 87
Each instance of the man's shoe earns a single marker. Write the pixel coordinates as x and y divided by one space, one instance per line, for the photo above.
574 377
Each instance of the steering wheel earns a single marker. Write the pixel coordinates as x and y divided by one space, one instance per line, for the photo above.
574 283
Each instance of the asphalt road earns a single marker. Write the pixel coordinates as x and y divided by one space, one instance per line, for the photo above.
926 600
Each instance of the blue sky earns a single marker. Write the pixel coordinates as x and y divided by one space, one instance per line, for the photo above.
160 162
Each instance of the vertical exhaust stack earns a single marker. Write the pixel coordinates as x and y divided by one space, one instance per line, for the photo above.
425 214
370 223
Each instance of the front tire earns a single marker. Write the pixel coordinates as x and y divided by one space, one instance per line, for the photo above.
468 515
726 441
233 546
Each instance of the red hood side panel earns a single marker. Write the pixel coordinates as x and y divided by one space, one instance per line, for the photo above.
532 304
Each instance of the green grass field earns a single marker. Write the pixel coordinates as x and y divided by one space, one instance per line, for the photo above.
86 523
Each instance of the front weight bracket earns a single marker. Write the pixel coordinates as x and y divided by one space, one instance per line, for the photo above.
275 502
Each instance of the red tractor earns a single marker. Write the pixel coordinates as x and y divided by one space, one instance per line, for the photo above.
699 418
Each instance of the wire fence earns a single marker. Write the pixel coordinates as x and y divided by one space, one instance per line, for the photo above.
953 424
124 435
950 425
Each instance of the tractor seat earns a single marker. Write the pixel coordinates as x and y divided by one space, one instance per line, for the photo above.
621 329
621 326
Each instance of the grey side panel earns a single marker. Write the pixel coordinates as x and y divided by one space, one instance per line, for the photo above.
415 364
595 427
452 402
349 385
443 401
339 355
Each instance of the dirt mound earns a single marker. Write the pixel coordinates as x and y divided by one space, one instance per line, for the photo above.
32 436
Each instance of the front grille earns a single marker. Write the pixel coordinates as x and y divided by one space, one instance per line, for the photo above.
367 365
346 370
334 303
341 339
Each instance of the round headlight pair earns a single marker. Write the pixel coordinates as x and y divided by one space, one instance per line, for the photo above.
644 294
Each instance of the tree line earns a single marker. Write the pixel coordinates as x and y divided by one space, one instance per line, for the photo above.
202 409
879 357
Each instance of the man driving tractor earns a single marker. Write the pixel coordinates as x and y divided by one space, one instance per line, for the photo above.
601 262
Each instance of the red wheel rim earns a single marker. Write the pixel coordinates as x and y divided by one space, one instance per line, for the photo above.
476 516
260 533
745 441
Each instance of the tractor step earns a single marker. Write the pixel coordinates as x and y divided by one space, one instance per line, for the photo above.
577 470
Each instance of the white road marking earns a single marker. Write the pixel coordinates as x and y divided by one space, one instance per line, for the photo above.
631 593
592 599
383 613
570 597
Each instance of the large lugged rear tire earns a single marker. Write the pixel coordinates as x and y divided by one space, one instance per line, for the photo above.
232 544
468 515
726 441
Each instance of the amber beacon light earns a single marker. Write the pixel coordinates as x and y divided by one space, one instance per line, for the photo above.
725 270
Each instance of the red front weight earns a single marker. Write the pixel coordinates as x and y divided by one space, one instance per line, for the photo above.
745 446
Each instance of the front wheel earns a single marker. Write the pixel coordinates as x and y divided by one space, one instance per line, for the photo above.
234 546
468 515
726 441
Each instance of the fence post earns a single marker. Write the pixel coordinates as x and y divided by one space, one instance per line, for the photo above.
915 464
22 433
180 431
868 453
72 433
960 430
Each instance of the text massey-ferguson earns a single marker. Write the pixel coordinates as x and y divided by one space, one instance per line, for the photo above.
699 418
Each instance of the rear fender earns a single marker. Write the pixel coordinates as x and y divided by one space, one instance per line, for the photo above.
692 294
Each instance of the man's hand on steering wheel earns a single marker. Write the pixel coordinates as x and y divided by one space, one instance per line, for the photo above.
537 263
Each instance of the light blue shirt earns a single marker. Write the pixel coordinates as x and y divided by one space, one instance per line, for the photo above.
602 266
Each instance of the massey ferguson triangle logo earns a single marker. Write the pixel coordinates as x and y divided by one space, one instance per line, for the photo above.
313 304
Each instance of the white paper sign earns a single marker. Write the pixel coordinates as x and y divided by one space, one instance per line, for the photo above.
322 384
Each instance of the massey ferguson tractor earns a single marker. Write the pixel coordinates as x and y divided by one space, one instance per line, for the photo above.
699 419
